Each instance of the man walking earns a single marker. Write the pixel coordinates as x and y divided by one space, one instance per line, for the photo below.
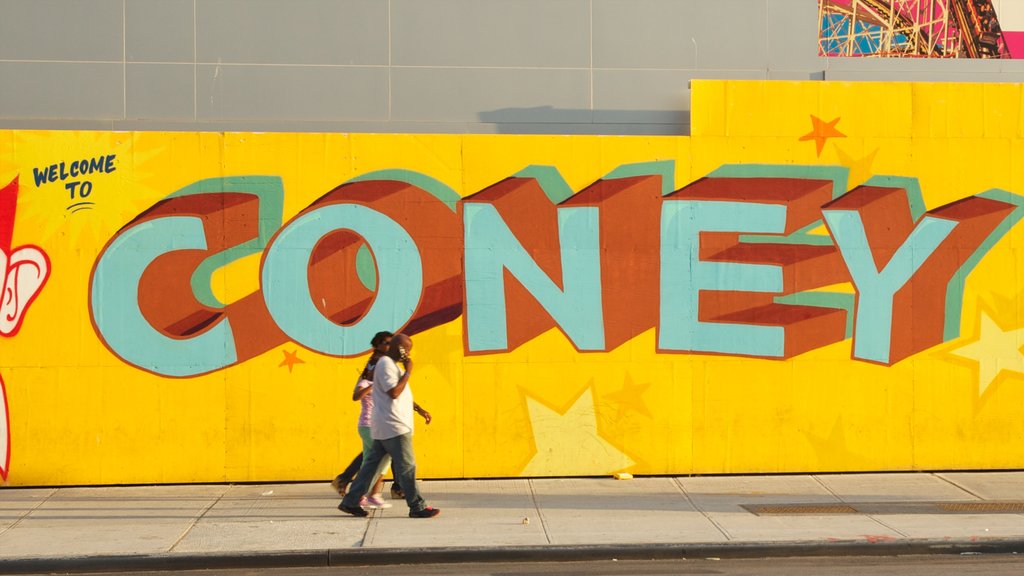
391 428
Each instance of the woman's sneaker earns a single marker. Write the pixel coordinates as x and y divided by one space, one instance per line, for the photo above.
427 512
375 501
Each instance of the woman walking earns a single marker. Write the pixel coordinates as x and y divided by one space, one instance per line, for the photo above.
380 343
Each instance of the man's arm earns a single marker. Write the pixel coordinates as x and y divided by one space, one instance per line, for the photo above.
419 410
397 389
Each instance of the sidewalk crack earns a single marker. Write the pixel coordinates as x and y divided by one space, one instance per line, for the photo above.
679 486
540 514
827 489
959 487
30 511
371 528
197 519
893 528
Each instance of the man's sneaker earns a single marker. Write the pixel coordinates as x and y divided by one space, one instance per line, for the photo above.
396 492
353 510
427 512
339 485
375 501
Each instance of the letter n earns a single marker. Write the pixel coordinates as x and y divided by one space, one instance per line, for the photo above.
530 266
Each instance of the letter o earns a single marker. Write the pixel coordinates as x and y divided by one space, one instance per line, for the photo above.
285 278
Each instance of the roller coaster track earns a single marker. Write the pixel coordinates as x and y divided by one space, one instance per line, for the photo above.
980 40
910 28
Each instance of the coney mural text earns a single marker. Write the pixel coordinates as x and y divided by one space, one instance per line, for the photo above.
736 263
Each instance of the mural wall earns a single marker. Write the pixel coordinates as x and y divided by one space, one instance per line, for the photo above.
824 277
921 28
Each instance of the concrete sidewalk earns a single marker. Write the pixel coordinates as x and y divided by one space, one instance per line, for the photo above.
208 526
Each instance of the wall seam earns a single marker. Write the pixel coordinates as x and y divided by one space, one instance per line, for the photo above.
591 56
195 60
124 59
443 67
767 40
389 61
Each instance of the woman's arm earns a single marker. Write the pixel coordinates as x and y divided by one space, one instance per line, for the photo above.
365 376
361 391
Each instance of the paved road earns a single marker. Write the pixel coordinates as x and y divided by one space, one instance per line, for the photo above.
971 565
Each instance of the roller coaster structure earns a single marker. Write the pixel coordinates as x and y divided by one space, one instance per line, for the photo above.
910 28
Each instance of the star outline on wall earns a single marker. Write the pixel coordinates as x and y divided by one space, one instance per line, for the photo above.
990 336
572 430
860 170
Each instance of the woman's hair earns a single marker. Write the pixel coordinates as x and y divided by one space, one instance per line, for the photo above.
380 337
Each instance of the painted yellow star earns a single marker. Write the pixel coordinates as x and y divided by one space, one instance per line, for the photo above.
831 450
860 170
290 359
569 443
996 351
822 132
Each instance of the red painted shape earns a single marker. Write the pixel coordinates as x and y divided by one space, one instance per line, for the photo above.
1014 43
628 209
886 215
9 288
5 424
804 267
919 307
533 220
8 208
165 291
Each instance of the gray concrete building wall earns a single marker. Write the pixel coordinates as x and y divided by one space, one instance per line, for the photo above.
454 66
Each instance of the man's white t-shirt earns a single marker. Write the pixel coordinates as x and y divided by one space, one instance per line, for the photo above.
391 417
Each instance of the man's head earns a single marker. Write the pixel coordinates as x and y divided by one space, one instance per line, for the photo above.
23 270
401 346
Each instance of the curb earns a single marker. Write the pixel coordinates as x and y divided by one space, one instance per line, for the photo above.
448 555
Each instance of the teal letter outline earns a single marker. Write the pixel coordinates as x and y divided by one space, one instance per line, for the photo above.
285 278
684 275
492 248
115 302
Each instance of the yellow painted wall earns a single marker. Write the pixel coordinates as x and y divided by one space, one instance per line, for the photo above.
80 415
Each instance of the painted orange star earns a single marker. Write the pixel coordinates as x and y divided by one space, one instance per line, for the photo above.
822 132
630 397
290 359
